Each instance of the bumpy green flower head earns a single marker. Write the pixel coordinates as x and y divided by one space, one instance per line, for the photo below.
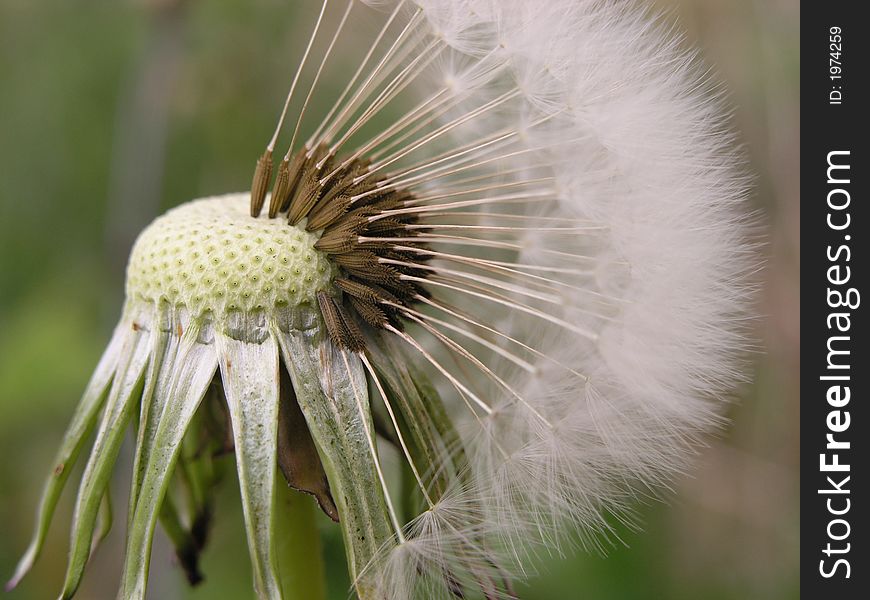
212 255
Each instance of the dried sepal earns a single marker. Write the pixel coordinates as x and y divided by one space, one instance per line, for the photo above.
123 398
249 371
192 374
158 376
83 421
330 388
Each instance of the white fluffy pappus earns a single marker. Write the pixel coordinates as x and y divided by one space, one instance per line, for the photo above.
626 122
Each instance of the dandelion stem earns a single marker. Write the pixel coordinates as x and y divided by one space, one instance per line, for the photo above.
300 557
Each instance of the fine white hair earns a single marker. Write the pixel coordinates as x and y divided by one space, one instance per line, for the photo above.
636 137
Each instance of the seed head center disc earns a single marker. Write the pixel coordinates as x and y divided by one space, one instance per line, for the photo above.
210 254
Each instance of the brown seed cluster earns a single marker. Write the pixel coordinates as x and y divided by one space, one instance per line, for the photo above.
316 191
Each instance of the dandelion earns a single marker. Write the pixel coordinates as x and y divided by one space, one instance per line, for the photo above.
529 282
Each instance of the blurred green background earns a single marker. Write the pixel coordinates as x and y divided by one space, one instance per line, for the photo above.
112 111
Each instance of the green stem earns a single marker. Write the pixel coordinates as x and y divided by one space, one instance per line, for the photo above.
297 542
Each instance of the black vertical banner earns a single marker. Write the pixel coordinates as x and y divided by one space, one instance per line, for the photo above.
835 342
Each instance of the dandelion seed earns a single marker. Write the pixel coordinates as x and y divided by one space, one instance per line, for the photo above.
530 283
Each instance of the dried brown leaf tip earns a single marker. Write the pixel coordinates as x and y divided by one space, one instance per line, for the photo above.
360 222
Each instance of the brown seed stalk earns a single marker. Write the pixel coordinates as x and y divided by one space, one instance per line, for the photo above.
260 182
343 208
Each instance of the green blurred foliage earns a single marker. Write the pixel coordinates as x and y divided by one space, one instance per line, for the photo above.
80 128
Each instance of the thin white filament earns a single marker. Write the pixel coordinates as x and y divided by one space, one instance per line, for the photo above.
510 304
447 308
398 431
317 75
458 384
374 452
271 145
461 351
356 75
340 119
